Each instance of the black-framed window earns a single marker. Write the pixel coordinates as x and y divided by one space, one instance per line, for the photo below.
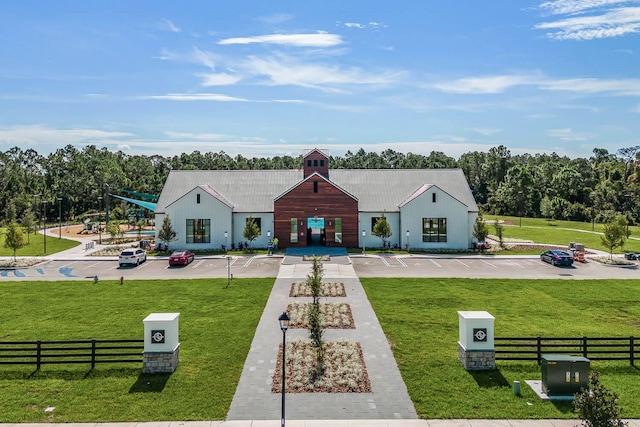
434 229
293 232
198 231
257 221
197 198
374 220
433 197
338 230
315 186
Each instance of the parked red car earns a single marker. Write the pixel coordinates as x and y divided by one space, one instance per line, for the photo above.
181 258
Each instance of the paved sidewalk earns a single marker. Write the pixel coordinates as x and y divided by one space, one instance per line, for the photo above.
388 400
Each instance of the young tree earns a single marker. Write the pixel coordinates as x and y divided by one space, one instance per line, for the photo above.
14 239
167 234
480 229
546 208
113 228
251 231
139 226
615 233
382 229
316 331
498 227
28 221
10 212
596 406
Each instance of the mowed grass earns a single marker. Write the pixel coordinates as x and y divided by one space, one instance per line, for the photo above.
420 320
36 244
216 329
561 232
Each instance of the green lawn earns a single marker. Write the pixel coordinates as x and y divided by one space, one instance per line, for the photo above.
216 329
419 317
561 232
36 244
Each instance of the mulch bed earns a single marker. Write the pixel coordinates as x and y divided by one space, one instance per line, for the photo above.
328 289
345 370
334 316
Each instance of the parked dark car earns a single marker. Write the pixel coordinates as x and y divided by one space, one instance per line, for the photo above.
632 256
557 257
181 258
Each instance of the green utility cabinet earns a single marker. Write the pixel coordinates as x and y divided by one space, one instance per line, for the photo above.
564 375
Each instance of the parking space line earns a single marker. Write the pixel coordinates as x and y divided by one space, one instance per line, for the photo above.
144 264
466 265
198 264
246 264
489 264
385 262
90 265
434 263
404 264
515 263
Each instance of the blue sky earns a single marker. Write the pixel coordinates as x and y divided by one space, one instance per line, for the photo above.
270 78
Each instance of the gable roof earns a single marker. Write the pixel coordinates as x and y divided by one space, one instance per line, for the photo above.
315 175
210 191
377 190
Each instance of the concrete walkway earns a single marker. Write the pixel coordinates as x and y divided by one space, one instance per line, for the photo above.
388 400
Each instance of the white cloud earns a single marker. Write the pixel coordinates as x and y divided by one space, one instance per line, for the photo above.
277 18
587 20
486 131
219 79
169 26
485 85
197 136
300 40
195 97
568 134
39 135
636 109
360 26
621 87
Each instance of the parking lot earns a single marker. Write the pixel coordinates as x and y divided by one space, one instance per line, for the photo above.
365 266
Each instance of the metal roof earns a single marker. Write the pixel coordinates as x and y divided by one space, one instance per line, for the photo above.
376 189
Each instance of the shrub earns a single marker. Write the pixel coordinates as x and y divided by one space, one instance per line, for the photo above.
596 406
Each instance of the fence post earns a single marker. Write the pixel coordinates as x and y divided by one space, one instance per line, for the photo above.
584 347
93 353
539 349
632 351
38 354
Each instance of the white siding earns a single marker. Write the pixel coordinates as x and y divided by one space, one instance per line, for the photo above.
266 220
371 241
209 208
445 206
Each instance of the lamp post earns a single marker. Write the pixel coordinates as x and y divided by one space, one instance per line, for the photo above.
37 215
99 221
44 223
59 217
364 234
627 197
407 240
284 325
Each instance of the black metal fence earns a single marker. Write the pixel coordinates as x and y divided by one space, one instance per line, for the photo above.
91 352
599 348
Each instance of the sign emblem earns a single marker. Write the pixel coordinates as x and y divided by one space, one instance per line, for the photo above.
157 337
480 334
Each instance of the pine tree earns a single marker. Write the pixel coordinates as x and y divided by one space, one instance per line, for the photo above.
14 238
167 234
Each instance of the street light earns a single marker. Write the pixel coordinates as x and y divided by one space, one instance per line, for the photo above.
284 325
364 233
59 217
99 221
44 223
35 208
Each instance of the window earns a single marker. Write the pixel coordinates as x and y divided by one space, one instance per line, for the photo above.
434 229
258 222
293 235
315 186
308 162
315 162
374 220
338 232
198 231
433 197
322 162
197 198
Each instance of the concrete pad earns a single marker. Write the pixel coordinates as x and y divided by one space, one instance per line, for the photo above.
531 423
489 423
449 423
190 424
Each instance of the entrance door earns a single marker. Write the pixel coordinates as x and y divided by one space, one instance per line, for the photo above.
315 231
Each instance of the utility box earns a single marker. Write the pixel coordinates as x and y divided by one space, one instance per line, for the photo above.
564 375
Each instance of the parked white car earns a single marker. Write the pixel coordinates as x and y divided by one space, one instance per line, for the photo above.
132 256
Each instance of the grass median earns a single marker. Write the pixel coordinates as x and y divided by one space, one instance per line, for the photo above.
420 320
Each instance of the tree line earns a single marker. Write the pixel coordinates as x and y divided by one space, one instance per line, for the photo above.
72 180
